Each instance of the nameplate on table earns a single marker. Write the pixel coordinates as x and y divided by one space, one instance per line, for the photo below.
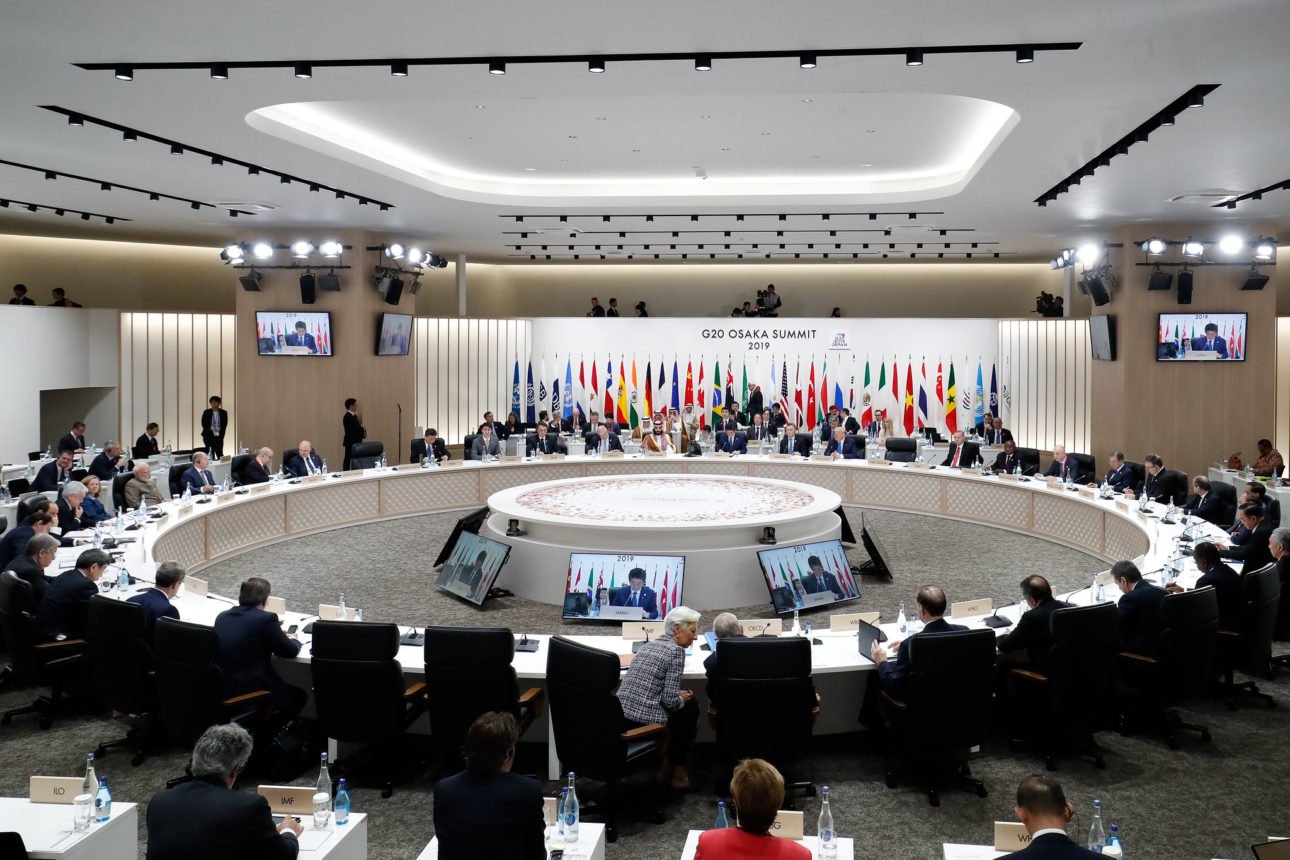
1010 836
968 608
613 455
622 613
1004 476
402 467
821 458
648 453
196 587
260 488
787 825
819 598
637 630
55 789
1124 506
1088 492
318 479
846 622
878 462
276 605
511 458
549 805
762 626
554 458
718 455
918 465
448 464
349 474
778 456
328 612
285 799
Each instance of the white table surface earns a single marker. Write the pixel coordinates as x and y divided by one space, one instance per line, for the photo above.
955 851
846 846
590 845
335 843
46 830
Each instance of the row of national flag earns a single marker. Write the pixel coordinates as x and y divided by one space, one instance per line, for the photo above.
914 394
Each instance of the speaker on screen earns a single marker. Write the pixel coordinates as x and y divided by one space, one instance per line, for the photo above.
394 291
1160 281
1184 288
308 295
1097 291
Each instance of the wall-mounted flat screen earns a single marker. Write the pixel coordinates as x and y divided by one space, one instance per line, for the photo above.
807 575
1101 336
623 587
1200 337
394 334
473 566
292 333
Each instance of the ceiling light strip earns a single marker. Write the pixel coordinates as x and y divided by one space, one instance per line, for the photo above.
1256 194
8 202
109 185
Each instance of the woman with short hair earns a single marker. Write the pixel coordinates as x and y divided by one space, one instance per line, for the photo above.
758 791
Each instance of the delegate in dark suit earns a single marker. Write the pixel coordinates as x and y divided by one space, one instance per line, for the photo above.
203 820
971 451
298 467
506 807
14 544
144 447
1006 462
303 339
155 605
732 444
612 443
254 473
1067 469
213 431
354 433
105 468
1210 344
712 667
1033 634
1166 487
1120 479
814 583
894 673
757 432
1254 552
799 443
1231 599
249 637
645 599
67 519
1053 846
70 442
50 477
998 437
439 452
1208 507
851 449
548 444
195 479
66 605
1141 618
30 572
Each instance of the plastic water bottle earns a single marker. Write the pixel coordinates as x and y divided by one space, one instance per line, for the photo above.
1096 591
571 813
902 624
103 801
90 785
187 498
1096 835
98 538
557 836
797 623
721 821
343 614
1113 847
117 526
358 614
828 838
324 778
122 580
342 804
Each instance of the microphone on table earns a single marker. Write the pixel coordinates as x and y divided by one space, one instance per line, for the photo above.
996 620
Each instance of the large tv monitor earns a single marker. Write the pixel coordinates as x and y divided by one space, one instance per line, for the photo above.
473 566
469 523
1101 335
623 587
807 575
1200 337
394 334
293 333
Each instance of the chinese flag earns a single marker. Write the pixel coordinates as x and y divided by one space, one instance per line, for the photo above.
689 383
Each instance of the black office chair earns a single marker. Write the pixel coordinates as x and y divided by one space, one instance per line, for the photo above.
237 467
418 450
366 455
1248 648
947 708
587 719
359 692
466 444
1182 669
19 486
1087 465
1028 459
34 662
1274 510
1057 711
1139 475
4 524
175 478
1226 494
27 506
34 456
118 490
764 682
78 474
901 450
468 673
121 670
11 846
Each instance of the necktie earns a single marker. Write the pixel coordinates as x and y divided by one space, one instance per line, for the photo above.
635 594
957 450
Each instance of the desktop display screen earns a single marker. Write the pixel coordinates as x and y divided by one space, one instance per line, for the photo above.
807 575
473 566
394 334
1200 337
618 587
293 333
1101 336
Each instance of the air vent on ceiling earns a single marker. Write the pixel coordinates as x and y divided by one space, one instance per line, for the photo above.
1204 198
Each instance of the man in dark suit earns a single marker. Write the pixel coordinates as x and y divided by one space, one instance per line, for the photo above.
995 433
431 446
249 638
1280 547
74 440
893 672
602 440
819 579
962 453
146 445
792 442
1210 342
732 440
354 431
214 426
1042 808
1254 551
257 471
842 446
486 443
758 431
1140 609
156 600
110 463
39 522
826 428
198 477
1119 476
65 608
20 295
54 474
756 403
777 417
1063 468
636 593
69 508
305 462
487 798
849 423
1031 633
1203 503
205 819
724 626
30 568
1225 582
1006 461
543 442
1162 485
574 425
302 337
1258 492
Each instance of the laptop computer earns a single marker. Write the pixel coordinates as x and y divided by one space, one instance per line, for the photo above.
867 634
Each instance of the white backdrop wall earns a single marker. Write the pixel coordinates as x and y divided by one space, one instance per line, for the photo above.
463 368
1046 383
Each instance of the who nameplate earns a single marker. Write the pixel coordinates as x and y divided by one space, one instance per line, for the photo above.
788 824
637 630
968 608
762 626
285 799
1010 836
328 612
55 789
846 622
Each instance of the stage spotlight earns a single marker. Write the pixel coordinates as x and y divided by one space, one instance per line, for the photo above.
331 248
1089 254
1231 244
1167 119
596 66
497 67
262 250
129 136
394 252
1192 249
234 253
302 250
913 58
1154 246
75 119
1263 251
304 71
415 256
806 61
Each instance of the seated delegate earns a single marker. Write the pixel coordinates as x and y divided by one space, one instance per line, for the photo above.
54 474
893 673
140 488
65 608
92 510
758 792
791 443
1140 609
732 440
842 446
1042 809
197 477
1063 467
962 453
636 594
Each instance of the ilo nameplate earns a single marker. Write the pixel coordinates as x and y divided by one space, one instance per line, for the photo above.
762 626
196 587
284 799
55 789
847 622
787 825
778 456
613 455
968 608
637 630
328 612
1010 836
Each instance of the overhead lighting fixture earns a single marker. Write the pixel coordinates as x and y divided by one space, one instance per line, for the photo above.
596 67
176 149
50 175
233 253
1263 251
1167 119
1196 100
394 251
1231 244
1089 254
415 256
913 58
1025 55
219 72
806 61
702 63
399 69
1154 246
330 248
129 136
75 119
123 73
496 67
302 250
1192 249
262 250
304 71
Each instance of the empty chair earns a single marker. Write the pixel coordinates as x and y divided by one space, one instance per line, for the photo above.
175 479
1248 648
1087 465
1028 458
901 450
120 662
1227 495
33 661
366 455
18 486
237 467
118 490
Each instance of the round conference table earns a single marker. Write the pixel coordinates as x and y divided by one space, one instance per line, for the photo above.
202 534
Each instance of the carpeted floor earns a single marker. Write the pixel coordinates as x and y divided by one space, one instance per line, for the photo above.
1203 801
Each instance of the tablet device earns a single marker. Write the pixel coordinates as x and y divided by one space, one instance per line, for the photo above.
867 634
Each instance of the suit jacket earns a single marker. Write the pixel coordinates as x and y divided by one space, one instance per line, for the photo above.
306 340
733 842
478 449
14 544
249 637
797 444
1231 596
49 478
197 478
647 600
440 451
1141 618
67 519
155 605
998 437
1201 344
208 433
144 447
613 443
354 432
105 468
66 605
136 490
70 442
296 465
29 571
1005 462
757 432
1053 846
825 431
1033 633
1166 487
548 445
1120 479
506 806
254 473
1062 470
736 445
1208 507
971 451
852 426
1254 551
824 581
203 820
756 403
851 449
894 673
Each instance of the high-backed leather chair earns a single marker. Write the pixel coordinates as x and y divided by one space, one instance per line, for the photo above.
27 506
587 720
1226 494
1248 648
237 467
1028 458
359 692
120 659
901 450
118 490
366 455
1087 464
417 450
32 660
466 444
175 478
1139 475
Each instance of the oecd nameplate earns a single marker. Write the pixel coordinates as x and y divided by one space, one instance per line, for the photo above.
788 824
762 626
55 789
1010 836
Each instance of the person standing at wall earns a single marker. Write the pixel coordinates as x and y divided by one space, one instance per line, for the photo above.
214 426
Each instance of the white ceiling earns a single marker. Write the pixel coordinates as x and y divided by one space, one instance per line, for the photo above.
975 137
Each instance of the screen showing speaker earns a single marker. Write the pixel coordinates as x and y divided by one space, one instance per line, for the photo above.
620 587
393 334
472 568
1200 337
293 333
807 575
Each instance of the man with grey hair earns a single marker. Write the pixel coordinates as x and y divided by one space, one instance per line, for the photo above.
156 600
110 463
198 476
651 691
205 819
141 487
257 471
1279 545
69 507
724 626
30 568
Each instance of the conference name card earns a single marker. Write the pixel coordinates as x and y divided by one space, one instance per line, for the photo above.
284 799
549 805
276 605
788 824
555 458
1010 836
778 456
967 608
878 462
846 622
328 612
196 587
649 453
917 465
450 464
54 789
821 458
637 630
511 458
719 455
762 626
613 455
